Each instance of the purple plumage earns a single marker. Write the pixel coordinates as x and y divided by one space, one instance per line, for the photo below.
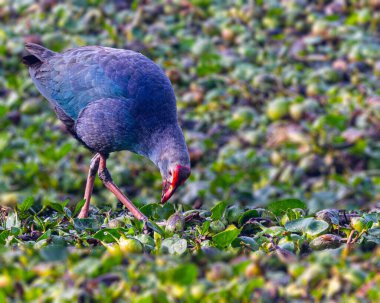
111 100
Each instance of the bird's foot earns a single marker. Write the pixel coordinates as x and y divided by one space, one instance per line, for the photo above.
83 214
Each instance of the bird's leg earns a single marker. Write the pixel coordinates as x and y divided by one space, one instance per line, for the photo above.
105 176
94 165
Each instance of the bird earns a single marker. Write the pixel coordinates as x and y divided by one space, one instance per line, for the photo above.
112 100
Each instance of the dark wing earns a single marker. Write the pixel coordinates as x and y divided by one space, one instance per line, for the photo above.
103 129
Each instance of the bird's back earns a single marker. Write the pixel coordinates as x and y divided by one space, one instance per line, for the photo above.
73 79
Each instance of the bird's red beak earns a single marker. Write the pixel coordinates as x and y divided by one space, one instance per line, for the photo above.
180 175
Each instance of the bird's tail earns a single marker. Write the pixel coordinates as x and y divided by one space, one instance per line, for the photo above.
37 54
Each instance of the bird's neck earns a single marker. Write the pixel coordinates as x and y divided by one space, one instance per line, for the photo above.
168 143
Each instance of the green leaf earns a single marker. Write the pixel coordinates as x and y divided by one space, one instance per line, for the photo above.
298 225
26 204
184 274
218 210
45 235
158 211
149 210
205 227
12 221
369 225
165 211
109 235
3 236
309 226
58 207
53 253
225 238
15 231
180 246
86 224
252 213
316 227
373 239
78 207
155 227
281 206
374 217
245 241
374 232
174 245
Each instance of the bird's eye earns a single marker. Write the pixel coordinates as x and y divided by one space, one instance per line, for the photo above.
170 173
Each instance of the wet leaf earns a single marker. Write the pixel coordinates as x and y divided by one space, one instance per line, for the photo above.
309 226
281 206
225 238
26 204
218 210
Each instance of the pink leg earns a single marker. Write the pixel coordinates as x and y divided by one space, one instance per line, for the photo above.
105 176
89 186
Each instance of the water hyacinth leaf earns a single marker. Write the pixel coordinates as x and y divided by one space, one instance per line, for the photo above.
87 266
225 238
273 230
233 213
316 227
252 213
205 227
374 217
86 224
218 210
284 255
369 225
244 241
155 227
328 241
374 232
53 253
38 222
68 212
62 151
12 221
15 231
45 235
158 211
180 246
373 239
164 211
307 225
175 223
26 204
331 216
174 245
109 235
149 209
184 274
297 225
3 236
58 207
281 206
78 207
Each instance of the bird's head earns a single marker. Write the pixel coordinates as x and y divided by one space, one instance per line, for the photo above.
167 149
172 178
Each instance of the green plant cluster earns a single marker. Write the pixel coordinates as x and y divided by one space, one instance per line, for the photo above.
228 254
276 98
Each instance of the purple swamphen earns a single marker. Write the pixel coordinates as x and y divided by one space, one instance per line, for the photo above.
111 100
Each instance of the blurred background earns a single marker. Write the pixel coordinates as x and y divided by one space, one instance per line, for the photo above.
277 99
